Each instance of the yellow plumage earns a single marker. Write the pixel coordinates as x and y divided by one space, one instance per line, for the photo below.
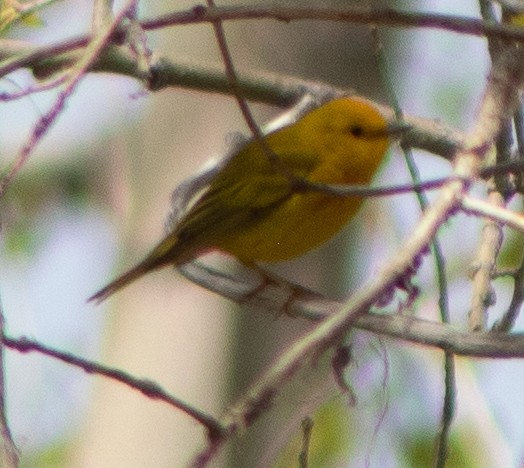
250 209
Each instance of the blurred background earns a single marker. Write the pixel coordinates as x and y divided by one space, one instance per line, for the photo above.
93 200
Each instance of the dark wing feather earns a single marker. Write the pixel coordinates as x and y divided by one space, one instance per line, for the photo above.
224 209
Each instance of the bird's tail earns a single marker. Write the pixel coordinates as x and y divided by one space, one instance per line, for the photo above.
168 252
123 280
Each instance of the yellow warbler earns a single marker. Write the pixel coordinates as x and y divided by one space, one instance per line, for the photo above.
251 210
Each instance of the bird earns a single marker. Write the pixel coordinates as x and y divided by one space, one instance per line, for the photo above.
253 209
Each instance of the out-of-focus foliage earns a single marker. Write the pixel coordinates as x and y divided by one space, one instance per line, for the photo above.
67 185
53 456
511 252
419 451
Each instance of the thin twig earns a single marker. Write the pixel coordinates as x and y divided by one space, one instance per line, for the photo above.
307 428
137 42
33 6
8 450
505 272
200 14
232 78
39 88
45 122
513 167
499 99
386 401
383 17
36 54
330 331
519 130
147 387
500 214
281 91
500 190
440 266
448 411
482 295
366 191
359 15
315 307
517 299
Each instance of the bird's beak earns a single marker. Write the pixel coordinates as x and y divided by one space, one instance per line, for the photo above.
397 129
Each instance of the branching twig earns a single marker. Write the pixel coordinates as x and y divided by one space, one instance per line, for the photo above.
440 265
500 190
281 91
331 330
45 122
312 306
498 100
200 14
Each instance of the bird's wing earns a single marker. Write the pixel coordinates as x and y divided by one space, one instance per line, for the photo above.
246 190
226 208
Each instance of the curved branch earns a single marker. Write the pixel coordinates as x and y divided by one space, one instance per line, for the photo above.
312 306
382 16
202 14
282 91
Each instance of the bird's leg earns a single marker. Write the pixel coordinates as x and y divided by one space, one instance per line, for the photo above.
293 290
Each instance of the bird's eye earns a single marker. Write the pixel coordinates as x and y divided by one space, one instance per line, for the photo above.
356 130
